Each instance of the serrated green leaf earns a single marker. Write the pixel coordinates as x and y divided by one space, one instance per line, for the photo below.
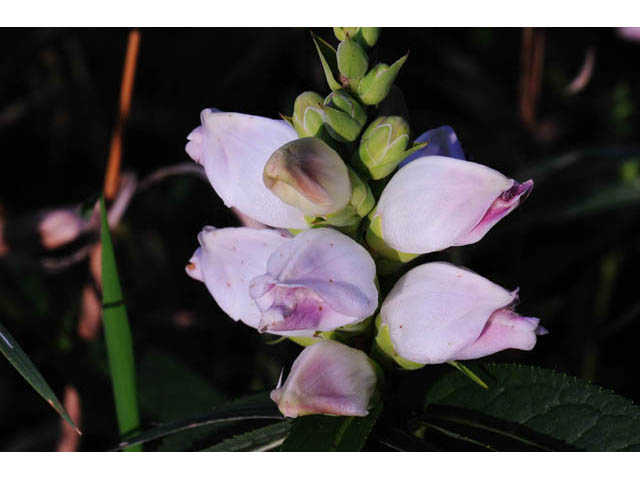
532 404
323 433
254 407
329 61
259 440
21 362
117 335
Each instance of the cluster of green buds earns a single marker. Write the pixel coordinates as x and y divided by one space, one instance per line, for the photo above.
306 176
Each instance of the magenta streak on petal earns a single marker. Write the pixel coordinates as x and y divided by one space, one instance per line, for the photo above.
500 208
296 308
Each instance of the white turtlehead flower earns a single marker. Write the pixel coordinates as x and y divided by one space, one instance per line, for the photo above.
234 149
438 312
320 280
227 260
437 202
327 378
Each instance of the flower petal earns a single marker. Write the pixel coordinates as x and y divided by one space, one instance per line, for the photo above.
227 260
434 202
437 309
327 378
441 141
505 329
500 208
234 149
320 278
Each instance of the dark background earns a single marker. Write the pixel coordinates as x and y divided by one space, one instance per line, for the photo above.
572 248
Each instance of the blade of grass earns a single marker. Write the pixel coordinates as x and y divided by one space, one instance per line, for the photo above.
21 362
118 337
231 413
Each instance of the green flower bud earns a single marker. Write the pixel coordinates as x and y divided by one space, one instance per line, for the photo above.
383 145
345 32
353 62
307 115
368 36
308 174
344 117
375 85
365 36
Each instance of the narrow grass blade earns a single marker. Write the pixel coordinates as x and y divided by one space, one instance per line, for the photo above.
469 373
232 413
21 362
118 337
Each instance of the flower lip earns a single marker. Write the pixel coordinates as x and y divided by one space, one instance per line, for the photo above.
321 280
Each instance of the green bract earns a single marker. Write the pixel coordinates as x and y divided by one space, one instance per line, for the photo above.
375 85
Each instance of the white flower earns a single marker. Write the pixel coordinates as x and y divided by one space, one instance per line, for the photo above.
234 149
320 280
437 202
437 313
227 260
327 378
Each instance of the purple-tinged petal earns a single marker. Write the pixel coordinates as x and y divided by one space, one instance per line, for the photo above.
442 141
434 202
500 208
327 378
227 260
505 329
437 309
322 279
234 149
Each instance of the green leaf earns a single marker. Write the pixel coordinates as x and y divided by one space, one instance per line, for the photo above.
256 407
259 440
21 362
329 61
537 407
324 433
117 336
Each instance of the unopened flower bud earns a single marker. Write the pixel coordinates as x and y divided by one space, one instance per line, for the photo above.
327 378
383 146
365 36
344 117
309 175
307 115
375 85
368 36
344 32
440 313
353 61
